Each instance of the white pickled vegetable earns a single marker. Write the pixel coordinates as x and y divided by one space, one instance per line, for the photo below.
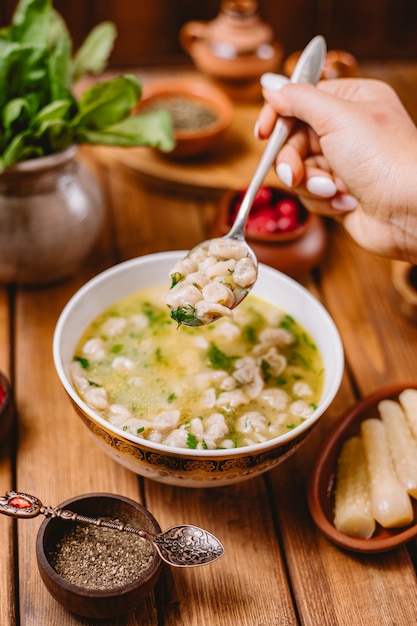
352 503
391 505
408 400
402 445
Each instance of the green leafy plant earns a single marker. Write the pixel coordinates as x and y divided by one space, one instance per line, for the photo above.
39 113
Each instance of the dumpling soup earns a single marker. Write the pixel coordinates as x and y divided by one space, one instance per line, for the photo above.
236 382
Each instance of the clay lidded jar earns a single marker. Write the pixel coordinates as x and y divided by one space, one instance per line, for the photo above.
236 48
51 213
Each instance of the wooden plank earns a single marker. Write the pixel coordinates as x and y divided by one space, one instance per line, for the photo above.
8 615
56 458
238 515
379 586
239 588
380 344
355 289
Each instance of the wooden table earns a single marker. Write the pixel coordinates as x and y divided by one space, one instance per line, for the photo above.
278 568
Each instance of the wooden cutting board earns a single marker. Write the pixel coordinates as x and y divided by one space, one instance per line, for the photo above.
230 165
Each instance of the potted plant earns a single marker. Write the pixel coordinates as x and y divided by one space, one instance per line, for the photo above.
43 220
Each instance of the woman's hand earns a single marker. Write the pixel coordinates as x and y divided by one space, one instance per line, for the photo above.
352 155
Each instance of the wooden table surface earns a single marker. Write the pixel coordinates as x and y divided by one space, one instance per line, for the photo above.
278 568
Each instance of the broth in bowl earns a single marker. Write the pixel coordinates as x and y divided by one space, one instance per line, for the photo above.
233 383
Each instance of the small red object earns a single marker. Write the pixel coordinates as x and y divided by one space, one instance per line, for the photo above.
286 223
20 503
287 206
264 221
2 395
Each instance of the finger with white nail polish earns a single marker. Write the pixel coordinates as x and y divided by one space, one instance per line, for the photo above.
344 202
285 173
321 186
273 82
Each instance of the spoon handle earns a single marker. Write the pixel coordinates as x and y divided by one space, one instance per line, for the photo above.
181 546
308 70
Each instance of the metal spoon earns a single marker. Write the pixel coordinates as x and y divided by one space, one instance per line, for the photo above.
182 546
308 70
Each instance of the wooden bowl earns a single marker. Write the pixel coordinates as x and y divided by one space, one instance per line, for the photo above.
6 407
88 602
201 112
322 481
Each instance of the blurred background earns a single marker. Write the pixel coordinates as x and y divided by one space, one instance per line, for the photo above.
148 31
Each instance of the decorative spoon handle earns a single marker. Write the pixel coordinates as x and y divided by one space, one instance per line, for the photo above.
182 546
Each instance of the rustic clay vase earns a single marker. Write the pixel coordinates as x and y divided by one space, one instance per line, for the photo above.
235 48
51 212
294 253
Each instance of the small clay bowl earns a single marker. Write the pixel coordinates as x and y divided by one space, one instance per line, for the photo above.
84 601
6 407
323 476
293 252
201 113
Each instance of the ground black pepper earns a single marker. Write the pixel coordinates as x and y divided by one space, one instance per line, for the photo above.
187 115
100 558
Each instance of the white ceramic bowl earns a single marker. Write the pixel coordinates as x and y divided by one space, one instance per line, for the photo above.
176 466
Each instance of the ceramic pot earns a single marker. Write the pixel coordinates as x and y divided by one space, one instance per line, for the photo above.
294 252
236 48
51 212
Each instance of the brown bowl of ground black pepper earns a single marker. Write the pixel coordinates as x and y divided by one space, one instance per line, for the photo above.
99 572
201 113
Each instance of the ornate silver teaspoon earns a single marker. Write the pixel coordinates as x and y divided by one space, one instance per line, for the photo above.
184 545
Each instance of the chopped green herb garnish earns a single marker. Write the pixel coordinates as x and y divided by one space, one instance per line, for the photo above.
218 359
140 430
249 333
183 316
191 441
82 361
176 277
118 347
287 322
154 314
172 396
266 369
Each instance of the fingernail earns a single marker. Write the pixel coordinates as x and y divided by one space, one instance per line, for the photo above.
344 202
284 171
256 129
273 82
321 186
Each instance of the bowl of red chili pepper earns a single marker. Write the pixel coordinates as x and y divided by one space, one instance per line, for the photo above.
280 230
6 406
